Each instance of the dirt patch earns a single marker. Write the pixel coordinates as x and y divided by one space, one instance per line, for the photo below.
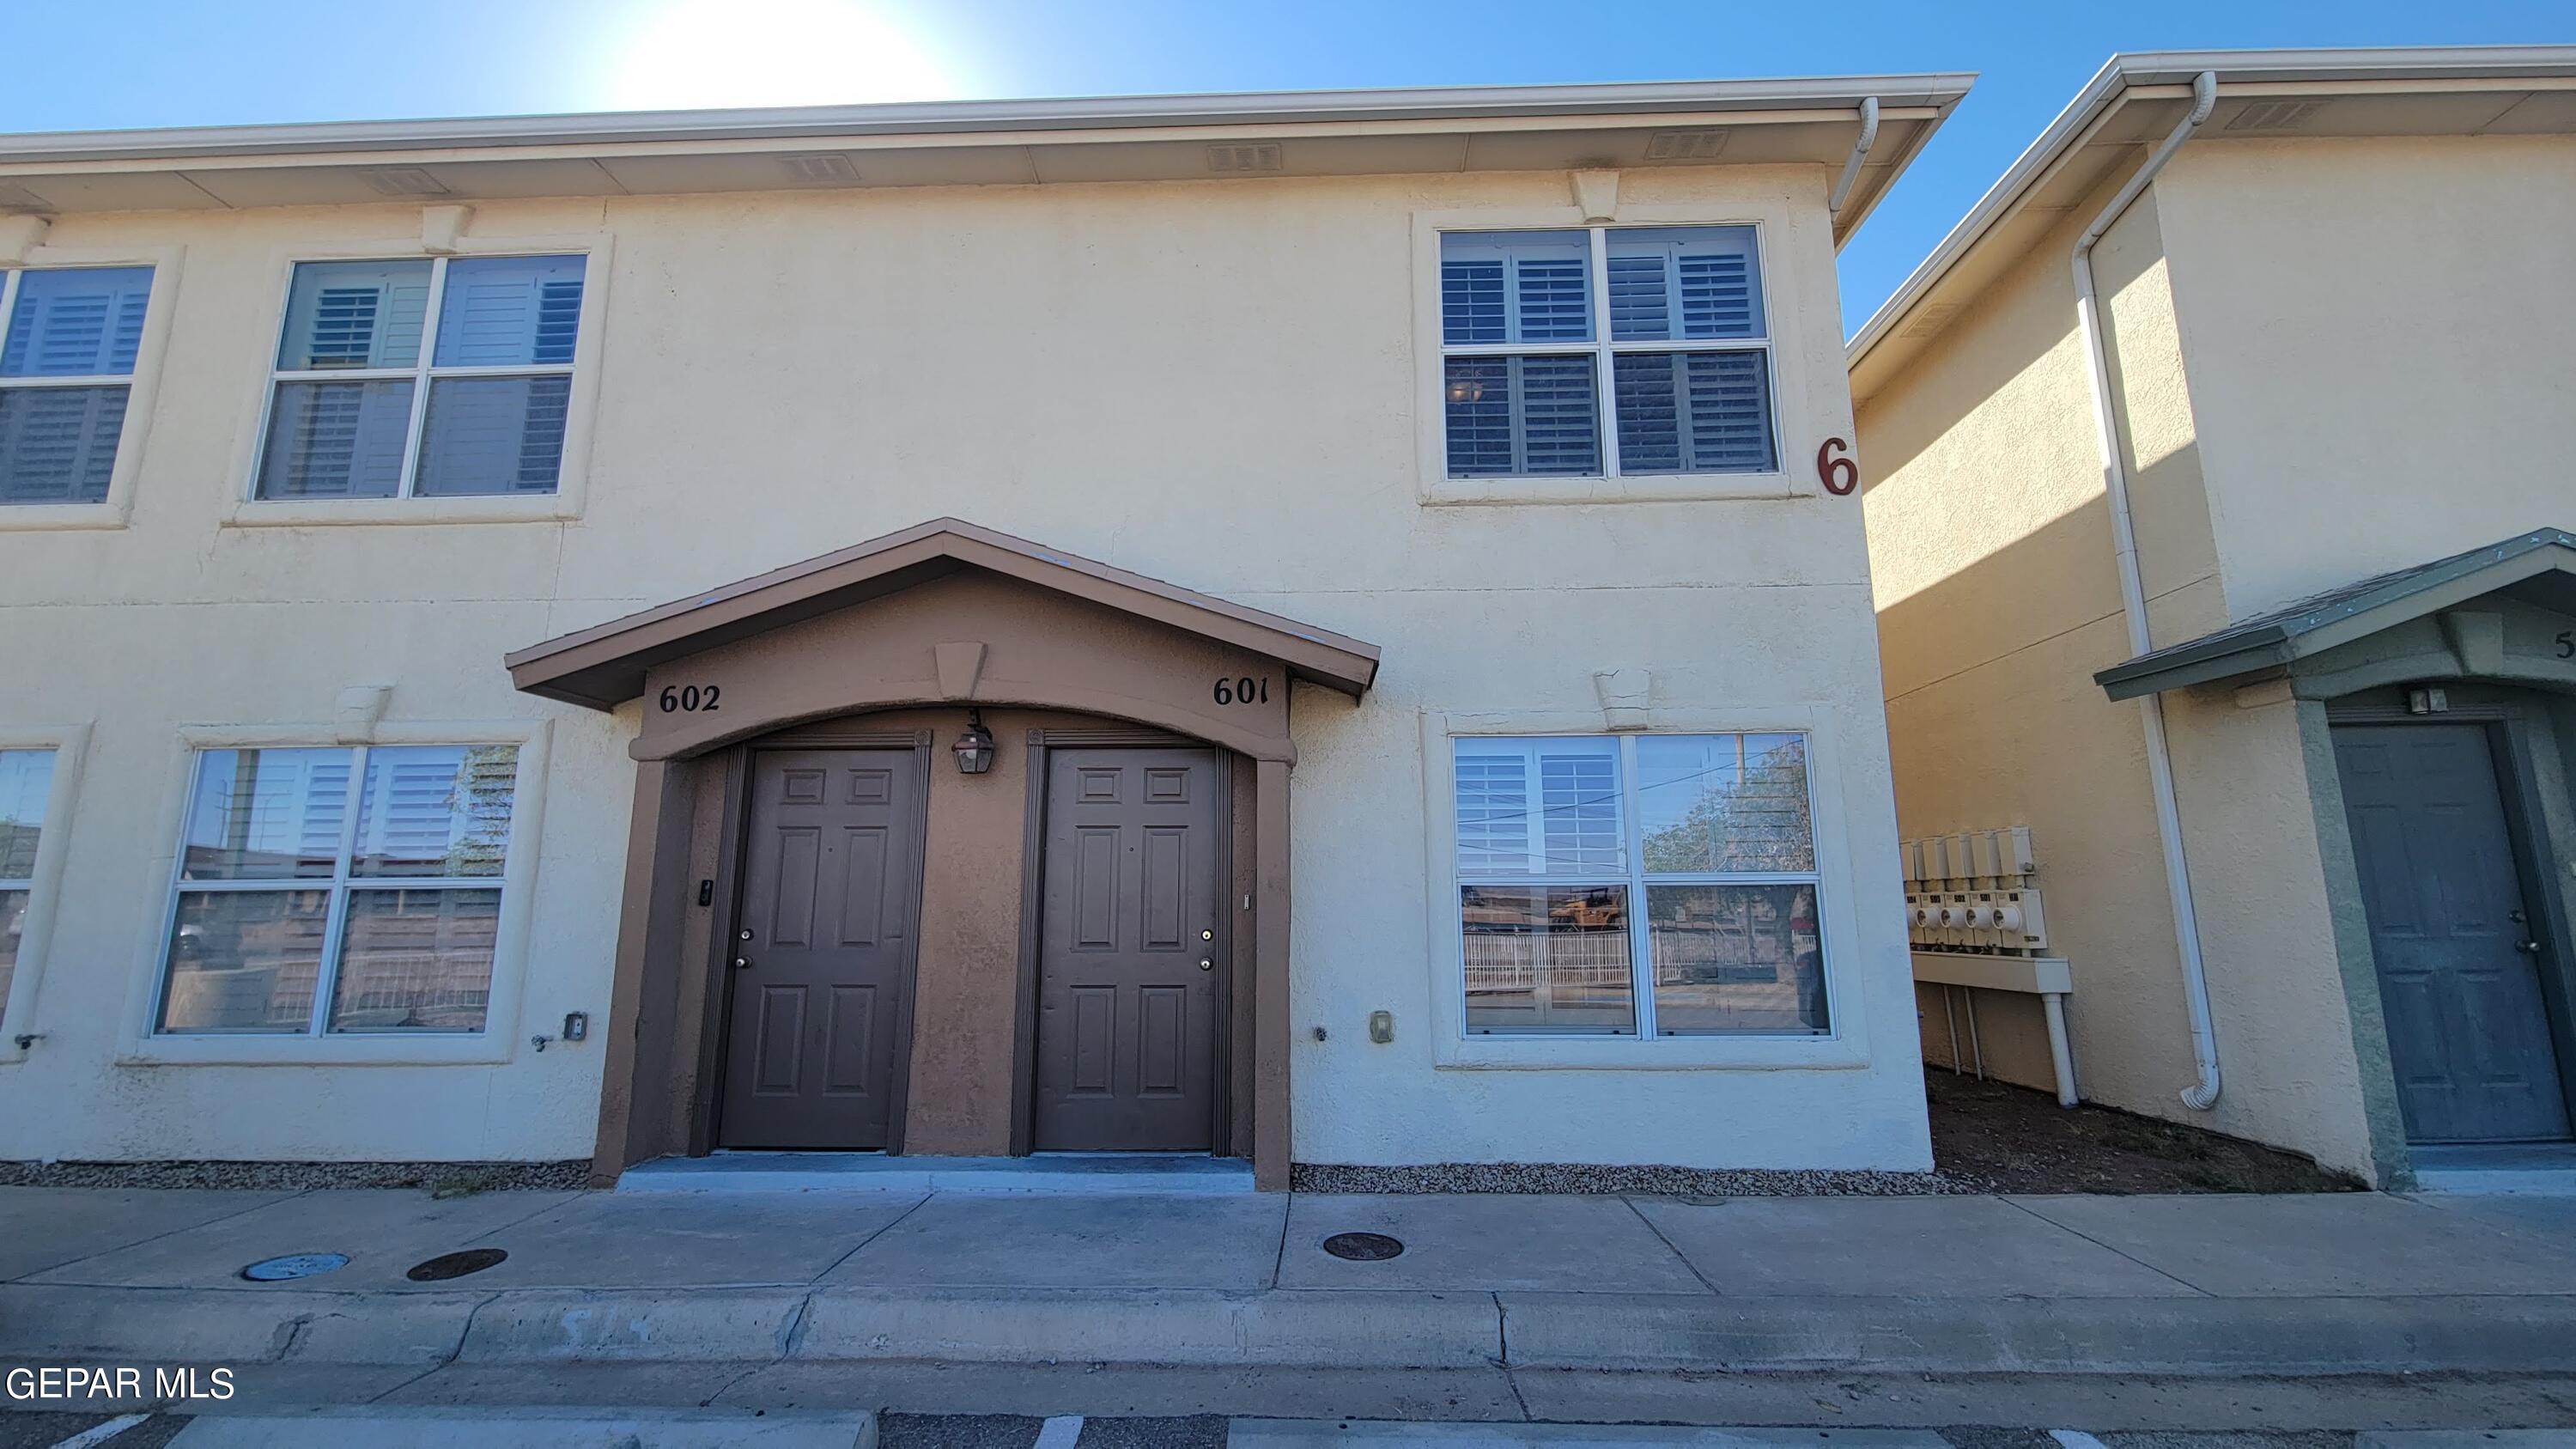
1580 1177
2019 1140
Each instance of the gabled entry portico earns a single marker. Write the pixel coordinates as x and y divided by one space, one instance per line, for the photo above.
827 924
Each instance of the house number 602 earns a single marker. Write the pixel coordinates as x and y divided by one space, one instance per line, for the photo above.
1246 690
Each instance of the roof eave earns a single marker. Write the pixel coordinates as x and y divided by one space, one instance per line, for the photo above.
949 121
2127 73
2373 607
605 665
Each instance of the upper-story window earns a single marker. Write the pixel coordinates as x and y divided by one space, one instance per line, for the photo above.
68 337
428 378
1684 371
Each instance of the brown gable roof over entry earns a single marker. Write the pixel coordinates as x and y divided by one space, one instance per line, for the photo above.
604 666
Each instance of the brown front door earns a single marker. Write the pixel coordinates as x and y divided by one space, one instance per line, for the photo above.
823 950
1131 932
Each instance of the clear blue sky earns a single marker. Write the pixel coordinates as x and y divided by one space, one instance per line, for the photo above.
84 64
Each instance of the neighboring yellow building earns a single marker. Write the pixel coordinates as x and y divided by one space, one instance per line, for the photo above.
2335 298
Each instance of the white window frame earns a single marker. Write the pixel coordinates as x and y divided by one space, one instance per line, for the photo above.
1784 374
406 507
1845 1046
142 385
70 746
1636 880
316 1045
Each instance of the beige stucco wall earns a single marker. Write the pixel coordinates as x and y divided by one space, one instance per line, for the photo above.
2376 332
1998 597
1213 383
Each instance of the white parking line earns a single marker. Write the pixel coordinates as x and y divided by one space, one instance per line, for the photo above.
101 1433
1059 1432
2076 1439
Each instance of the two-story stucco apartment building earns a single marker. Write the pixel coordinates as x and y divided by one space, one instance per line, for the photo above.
2218 461
1276 627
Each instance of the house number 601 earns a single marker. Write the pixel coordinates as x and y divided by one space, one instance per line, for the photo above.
1838 472
1246 690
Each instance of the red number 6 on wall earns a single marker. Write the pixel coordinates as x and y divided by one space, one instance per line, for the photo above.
1834 469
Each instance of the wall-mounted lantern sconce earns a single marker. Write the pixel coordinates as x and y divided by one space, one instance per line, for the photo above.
974 749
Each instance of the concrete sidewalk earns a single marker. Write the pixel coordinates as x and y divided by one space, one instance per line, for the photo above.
2211 1284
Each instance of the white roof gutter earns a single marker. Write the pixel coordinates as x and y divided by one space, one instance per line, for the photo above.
1860 152
945 118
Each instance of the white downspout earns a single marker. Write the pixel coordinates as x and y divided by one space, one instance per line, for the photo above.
1860 152
2201 1095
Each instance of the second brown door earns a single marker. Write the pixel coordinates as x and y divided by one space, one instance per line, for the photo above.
823 950
1131 926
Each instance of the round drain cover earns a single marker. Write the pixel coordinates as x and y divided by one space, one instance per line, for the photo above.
294 1265
455 1265
1363 1247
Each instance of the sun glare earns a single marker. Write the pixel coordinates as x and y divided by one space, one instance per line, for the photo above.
708 53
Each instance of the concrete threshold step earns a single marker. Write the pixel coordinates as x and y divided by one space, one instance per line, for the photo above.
1055 1172
2543 1168
535 1428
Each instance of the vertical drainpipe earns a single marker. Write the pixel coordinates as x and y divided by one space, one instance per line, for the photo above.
2201 1095
1860 152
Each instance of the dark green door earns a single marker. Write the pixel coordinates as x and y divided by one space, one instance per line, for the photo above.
2458 958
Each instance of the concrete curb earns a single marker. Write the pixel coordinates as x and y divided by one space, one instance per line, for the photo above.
660 1325
47 1323
1294 1328
2534 1334
1310 1328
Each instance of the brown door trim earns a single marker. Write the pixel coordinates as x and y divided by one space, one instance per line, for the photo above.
1024 1029
716 1011
709 1107
1024 1049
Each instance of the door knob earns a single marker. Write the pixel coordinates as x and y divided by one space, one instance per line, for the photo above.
739 962
1206 965
2528 948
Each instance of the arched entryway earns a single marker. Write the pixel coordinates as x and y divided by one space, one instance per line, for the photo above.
1083 947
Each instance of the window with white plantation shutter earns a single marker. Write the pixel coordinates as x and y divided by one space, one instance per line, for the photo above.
68 339
26 782
339 890
1684 370
1638 885
431 377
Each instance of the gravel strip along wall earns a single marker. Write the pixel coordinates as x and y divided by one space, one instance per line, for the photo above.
443 1178
1575 1177
454 1178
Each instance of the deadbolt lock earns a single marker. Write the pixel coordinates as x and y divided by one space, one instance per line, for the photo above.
1207 935
746 935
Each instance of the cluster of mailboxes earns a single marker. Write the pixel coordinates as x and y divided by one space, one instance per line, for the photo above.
1973 891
